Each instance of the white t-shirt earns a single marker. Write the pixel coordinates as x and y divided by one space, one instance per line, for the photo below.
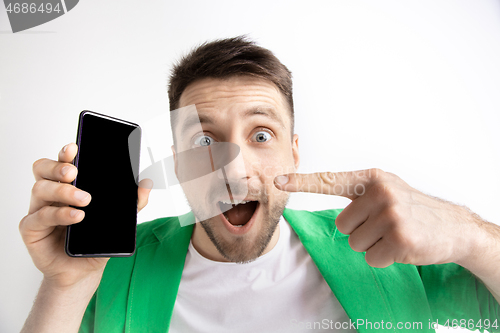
281 291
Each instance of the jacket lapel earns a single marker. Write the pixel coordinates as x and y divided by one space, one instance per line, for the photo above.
367 294
156 278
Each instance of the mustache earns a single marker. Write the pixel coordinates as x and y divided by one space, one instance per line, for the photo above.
236 189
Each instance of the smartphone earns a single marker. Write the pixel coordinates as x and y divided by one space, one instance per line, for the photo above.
108 167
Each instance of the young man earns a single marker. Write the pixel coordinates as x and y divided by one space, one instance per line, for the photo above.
393 259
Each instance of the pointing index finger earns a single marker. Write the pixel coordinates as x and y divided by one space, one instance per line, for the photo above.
350 184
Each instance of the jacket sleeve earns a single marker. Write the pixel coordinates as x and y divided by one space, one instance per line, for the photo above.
87 325
454 293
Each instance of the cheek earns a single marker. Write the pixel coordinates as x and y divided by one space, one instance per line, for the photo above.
192 192
198 188
273 164
268 169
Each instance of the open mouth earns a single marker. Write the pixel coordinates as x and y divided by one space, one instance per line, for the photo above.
239 213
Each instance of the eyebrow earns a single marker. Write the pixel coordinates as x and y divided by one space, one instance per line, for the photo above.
195 120
269 112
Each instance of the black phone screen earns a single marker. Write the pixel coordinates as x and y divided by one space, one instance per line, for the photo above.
108 165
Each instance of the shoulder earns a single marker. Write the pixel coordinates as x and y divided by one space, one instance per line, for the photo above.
164 228
150 235
146 230
320 222
328 214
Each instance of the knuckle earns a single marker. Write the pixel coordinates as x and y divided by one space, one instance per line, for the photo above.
327 178
38 187
354 244
351 242
342 229
346 229
391 195
37 163
61 213
22 224
339 223
403 240
60 191
383 192
373 259
302 183
392 176
376 173
370 259
378 191
378 262
57 169
43 213
392 215
407 258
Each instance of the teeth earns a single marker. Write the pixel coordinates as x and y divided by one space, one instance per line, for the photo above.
235 202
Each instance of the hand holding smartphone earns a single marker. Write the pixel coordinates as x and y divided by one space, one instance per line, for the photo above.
104 164
108 168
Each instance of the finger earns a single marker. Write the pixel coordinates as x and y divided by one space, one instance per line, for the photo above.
68 153
380 254
52 170
45 192
367 234
356 213
37 226
144 189
351 184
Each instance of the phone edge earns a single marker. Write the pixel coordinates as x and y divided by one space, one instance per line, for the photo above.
75 163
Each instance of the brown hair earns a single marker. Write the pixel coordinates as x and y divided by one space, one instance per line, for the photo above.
228 57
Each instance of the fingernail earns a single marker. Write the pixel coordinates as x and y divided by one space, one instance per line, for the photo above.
65 147
80 195
281 180
74 213
65 170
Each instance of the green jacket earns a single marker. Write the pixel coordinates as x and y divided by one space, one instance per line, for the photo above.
137 293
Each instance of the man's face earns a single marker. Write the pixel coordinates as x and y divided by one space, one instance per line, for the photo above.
253 114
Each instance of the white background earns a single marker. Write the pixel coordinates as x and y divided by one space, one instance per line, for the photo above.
410 87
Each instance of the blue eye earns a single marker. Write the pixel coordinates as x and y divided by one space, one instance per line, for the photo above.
203 140
262 136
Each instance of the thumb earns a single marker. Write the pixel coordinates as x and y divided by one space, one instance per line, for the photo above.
143 191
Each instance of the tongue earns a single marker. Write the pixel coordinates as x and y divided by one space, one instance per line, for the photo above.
241 214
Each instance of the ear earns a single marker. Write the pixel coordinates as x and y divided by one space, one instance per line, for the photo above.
175 161
295 150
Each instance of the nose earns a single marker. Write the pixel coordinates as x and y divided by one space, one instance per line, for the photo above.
234 171
230 162
234 176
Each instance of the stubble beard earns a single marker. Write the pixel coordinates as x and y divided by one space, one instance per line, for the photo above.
242 249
